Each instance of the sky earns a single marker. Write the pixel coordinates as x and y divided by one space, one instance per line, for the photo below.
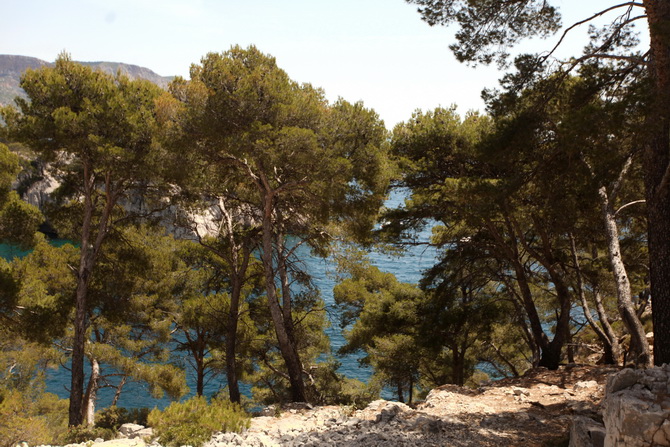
376 51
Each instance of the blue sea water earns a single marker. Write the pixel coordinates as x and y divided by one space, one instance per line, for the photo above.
407 267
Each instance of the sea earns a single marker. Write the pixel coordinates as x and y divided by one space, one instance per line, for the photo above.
407 266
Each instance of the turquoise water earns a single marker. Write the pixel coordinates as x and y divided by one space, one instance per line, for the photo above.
407 268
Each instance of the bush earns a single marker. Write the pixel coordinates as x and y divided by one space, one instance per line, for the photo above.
194 421
82 433
36 419
111 418
114 417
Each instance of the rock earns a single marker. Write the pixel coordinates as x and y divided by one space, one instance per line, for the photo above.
427 424
298 406
637 408
579 386
269 411
586 432
147 432
133 431
388 413
352 422
520 391
120 443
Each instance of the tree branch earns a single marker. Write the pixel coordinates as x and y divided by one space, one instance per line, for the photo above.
615 186
594 16
622 207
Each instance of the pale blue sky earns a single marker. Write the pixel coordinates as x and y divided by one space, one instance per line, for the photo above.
378 51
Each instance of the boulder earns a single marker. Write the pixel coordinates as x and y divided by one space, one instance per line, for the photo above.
637 408
586 432
133 431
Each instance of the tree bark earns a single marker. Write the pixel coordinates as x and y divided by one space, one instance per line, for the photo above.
657 173
86 256
200 375
231 340
87 259
197 346
607 327
92 392
509 250
286 345
607 337
639 345
119 388
401 398
458 365
237 278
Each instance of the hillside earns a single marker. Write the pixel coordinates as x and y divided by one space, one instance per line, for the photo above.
11 68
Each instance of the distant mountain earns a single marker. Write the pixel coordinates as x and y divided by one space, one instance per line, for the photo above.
11 68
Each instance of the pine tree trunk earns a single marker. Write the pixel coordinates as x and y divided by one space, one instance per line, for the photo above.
401 398
458 365
286 346
75 413
657 173
87 259
607 337
77 364
231 342
92 392
238 277
510 251
639 344
539 337
614 347
551 354
200 375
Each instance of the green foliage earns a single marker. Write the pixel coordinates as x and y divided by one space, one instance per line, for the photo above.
488 29
303 172
387 318
18 219
332 388
31 416
84 433
192 422
114 417
328 163
205 303
269 381
46 286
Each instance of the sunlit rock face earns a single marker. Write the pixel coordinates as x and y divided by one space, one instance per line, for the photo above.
637 408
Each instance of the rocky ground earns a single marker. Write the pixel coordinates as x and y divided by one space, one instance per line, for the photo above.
535 410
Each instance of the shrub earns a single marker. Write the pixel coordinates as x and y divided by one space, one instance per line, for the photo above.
194 421
111 418
114 417
82 433
36 419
